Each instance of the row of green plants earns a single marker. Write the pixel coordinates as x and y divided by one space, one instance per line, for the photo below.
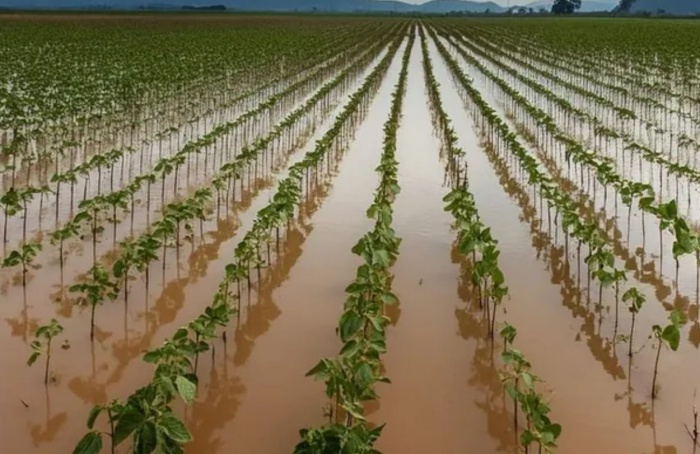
622 73
351 377
674 129
16 200
602 131
600 260
146 418
686 242
47 119
137 253
603 90
609 79
474 240
474 237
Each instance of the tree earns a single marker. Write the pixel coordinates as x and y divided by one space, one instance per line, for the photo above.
625 5
565 6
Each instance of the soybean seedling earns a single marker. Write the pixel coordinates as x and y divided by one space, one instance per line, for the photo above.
95 291
45 334
508 333
634 300
25 255
670 336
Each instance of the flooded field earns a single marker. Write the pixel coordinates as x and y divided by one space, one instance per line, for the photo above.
413 236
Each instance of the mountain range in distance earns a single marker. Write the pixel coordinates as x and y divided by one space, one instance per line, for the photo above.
668 6
432 6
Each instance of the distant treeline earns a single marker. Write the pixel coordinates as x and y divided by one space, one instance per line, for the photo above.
206 8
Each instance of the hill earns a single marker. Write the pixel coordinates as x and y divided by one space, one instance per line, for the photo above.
669 6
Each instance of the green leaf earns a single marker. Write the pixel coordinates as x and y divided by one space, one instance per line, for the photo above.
380 257
672 335
497 276
678 318
350 323
151 357
186 389
91 443
128 422
32 359
320 368
364 375
389 298
118 269
355 288
174 429
180 334
555 430
526 438
146 439
94 413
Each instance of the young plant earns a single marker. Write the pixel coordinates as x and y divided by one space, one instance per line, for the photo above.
95 291
24 256
11 204
91 443
670 335
508 334
634 300
42 345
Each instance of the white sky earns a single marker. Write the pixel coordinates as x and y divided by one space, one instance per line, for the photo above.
500 2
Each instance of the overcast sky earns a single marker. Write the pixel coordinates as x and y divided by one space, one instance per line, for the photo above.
500 2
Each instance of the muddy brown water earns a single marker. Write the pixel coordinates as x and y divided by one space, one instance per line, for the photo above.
445 394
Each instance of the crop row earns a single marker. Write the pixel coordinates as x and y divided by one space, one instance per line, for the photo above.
147 417
600 260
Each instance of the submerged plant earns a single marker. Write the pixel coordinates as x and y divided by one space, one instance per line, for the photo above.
634 300
94 291
42 345
670 335
24 256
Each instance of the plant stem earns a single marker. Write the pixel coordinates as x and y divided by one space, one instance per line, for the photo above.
111 427
634 317
48 360
92 322
656 367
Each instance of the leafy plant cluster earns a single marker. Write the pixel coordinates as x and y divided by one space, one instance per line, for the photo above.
136 254
93 211
686 242
642 100
673 167
475 240
112 92
351 377
146 418
601 261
